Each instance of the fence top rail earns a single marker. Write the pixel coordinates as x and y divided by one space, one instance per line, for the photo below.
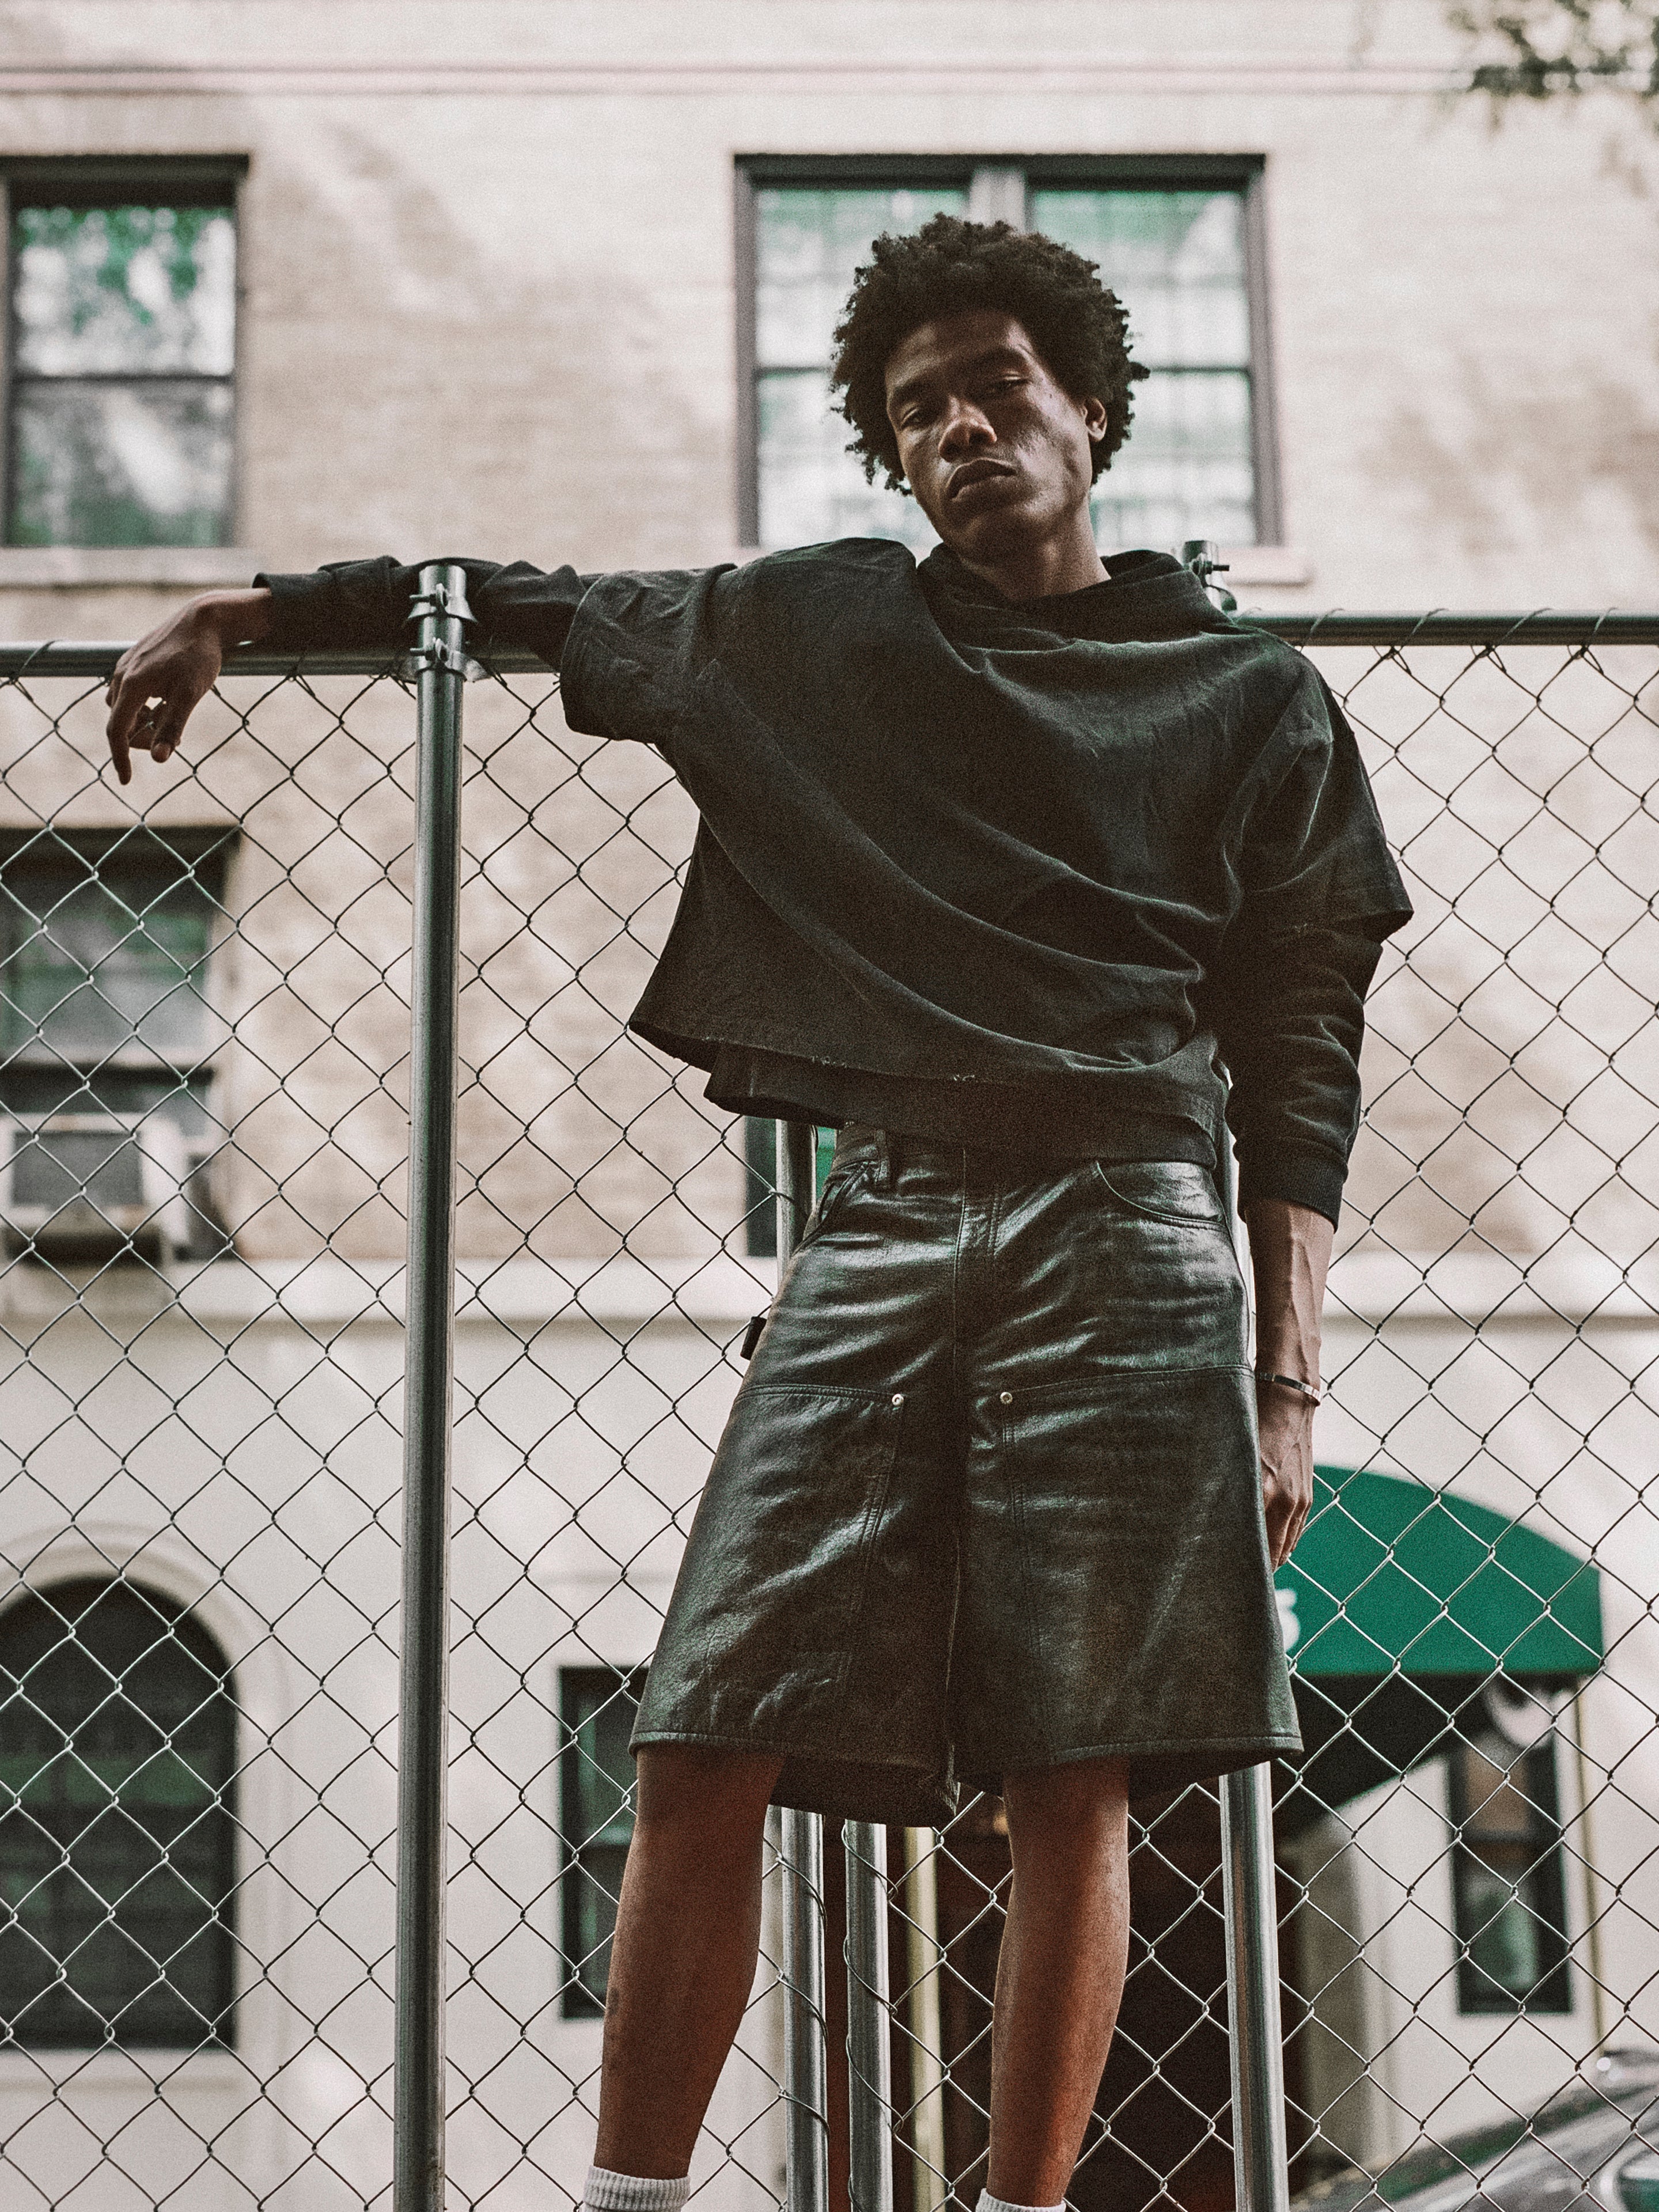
1540 626
1340 626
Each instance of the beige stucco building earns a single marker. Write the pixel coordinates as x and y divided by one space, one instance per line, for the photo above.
546 279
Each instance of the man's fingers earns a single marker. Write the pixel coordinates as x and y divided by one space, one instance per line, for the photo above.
1281 1535
130 699
119 752
1289 1537
166 726
134 721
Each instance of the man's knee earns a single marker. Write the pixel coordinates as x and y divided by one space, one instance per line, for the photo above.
1086 1801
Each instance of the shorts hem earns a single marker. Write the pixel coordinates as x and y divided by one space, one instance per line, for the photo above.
1170 1763
906 1793
900 1793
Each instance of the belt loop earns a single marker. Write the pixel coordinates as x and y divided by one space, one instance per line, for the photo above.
885 1149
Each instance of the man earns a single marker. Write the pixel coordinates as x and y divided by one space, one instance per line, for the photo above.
998 856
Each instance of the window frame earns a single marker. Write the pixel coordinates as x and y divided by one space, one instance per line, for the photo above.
206 856
1538 1779
108 180
223 1922
1245 174
577 2002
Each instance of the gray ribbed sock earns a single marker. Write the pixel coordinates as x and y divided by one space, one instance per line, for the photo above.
989 2203
633 2192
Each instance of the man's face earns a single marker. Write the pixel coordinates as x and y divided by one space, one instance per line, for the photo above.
997 452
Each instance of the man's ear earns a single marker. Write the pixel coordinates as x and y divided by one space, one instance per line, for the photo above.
1094 419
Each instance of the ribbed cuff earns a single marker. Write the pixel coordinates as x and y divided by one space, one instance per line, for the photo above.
989 2203
1300 1176
304 611
633 2192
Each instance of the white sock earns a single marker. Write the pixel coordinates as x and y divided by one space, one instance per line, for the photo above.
989 2203
633 2192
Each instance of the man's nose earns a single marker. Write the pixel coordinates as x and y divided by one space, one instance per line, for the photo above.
965 427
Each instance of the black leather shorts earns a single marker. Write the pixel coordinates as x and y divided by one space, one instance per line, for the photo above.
989 1498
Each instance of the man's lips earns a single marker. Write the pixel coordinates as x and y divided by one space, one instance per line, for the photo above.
975 472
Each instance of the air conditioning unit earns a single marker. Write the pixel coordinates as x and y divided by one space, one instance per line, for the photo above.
93 1186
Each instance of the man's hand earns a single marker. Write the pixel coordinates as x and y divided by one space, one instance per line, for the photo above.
1290 1254
159 683
1285 1421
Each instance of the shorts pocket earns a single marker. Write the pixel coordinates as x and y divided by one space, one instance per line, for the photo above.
1180 1192
832 1198
762 1625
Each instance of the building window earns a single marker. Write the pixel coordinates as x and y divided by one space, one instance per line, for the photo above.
1182 244
1509 1895
597 1707
116 1821
121 390
108 1034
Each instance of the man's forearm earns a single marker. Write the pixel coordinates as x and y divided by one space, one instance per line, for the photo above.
1290 1256
239 618
1290 1253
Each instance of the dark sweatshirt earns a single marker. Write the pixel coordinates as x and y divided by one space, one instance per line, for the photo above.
1000 875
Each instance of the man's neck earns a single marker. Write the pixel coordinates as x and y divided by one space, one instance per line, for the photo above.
1045 569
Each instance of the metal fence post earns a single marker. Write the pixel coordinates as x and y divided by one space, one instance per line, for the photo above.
800 1835
423 1735
1260 2182
869 2046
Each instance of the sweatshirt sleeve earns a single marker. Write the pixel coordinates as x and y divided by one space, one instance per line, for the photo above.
1320 894
364 604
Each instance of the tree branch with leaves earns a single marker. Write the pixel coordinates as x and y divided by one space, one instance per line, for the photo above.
1546 49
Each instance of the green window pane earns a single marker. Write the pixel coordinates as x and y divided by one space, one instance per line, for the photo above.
102 463
1176 261
809 243
91 966
106 290
1508 1892
597 1709
811 487
1186 470
117 1821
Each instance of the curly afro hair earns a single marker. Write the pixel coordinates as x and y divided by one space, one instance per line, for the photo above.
1078 326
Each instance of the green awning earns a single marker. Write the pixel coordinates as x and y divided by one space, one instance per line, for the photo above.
1390 1576
1400 1606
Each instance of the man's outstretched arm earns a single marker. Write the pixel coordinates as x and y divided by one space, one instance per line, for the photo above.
159 683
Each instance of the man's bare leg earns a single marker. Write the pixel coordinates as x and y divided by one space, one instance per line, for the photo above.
683 1964
1060 1977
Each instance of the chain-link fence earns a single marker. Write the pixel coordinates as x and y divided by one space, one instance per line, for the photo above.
204 1037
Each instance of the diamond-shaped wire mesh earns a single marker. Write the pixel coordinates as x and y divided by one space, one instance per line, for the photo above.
204 1041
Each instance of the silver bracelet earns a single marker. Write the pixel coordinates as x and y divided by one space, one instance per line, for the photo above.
1313 1390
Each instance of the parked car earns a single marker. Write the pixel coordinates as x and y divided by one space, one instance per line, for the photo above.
1595 2148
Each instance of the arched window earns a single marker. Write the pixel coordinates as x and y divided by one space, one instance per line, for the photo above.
118 1746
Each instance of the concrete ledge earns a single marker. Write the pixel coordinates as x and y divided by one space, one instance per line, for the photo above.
718 1292
715 1294
81 567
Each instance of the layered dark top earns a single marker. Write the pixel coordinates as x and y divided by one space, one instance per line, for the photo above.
1016 876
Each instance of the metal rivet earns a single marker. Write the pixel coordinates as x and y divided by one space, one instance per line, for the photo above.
898 1397
1007 1397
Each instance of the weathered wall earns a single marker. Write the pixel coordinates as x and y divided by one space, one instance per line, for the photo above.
498 316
